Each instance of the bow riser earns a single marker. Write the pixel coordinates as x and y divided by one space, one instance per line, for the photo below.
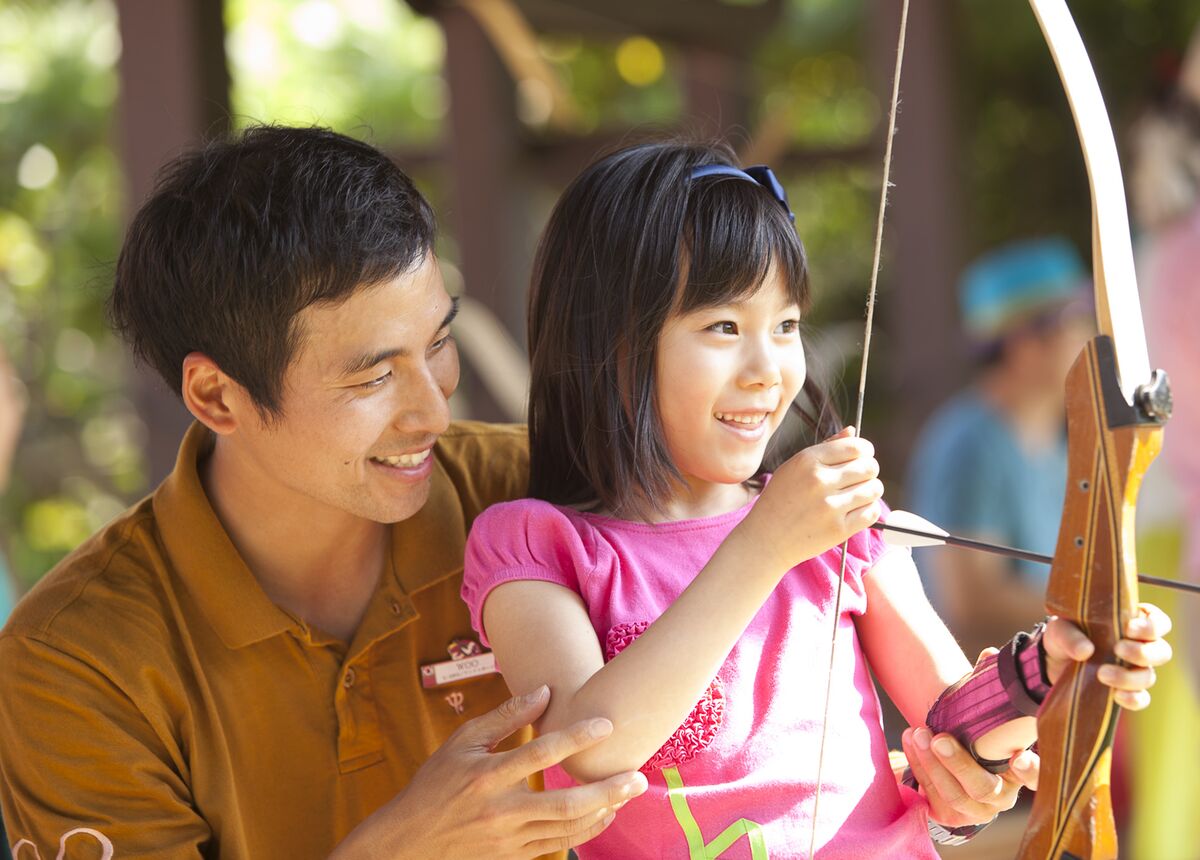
1093 582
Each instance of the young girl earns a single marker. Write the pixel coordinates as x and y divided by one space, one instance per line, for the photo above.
661 578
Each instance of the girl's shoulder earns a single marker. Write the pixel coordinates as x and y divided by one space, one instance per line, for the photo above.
530 531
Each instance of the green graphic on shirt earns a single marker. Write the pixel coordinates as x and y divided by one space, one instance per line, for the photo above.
697 849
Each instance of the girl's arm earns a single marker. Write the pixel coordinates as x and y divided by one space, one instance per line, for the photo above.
541 632
915 658
914 655
910 650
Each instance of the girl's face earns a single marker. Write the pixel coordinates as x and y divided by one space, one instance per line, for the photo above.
726 377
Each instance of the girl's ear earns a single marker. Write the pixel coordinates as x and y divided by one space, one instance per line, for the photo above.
210 395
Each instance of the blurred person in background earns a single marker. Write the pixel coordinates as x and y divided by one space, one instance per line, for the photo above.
1165 198
991 463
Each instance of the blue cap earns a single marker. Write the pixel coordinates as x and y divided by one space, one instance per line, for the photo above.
1018 283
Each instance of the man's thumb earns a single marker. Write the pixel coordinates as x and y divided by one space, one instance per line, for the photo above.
516 713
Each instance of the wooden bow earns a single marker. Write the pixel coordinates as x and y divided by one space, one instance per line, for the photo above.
1115 411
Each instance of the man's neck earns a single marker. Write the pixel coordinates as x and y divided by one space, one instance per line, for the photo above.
316 562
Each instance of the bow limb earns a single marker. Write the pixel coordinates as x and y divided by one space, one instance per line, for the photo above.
1115 411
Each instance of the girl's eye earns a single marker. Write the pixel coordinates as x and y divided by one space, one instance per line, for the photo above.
376 383
789 326
724 327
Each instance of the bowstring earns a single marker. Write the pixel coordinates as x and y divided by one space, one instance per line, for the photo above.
862 391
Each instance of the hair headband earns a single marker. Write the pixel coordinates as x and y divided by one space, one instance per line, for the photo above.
760 175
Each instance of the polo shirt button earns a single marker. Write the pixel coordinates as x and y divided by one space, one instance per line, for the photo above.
397 609
348 678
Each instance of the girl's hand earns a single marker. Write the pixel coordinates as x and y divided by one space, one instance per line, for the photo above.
818 498
960 792
1142 649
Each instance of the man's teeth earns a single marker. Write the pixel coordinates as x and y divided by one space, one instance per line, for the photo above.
406 461
756 418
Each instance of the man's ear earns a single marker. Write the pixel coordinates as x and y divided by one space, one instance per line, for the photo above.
209 394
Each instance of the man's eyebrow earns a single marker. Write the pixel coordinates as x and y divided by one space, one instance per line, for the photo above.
366 361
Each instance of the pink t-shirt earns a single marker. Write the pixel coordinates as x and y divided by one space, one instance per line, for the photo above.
744 763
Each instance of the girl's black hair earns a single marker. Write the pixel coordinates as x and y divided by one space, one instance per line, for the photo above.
606 277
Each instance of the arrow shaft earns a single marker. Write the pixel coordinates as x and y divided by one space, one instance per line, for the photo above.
1026 555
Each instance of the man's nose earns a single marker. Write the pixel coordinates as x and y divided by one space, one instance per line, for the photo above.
423 406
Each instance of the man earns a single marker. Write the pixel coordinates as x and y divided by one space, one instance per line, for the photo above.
992 462
254 661
234 667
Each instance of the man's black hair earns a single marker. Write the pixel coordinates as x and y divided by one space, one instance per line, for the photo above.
242 234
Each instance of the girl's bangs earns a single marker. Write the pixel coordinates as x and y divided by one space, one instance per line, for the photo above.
744 232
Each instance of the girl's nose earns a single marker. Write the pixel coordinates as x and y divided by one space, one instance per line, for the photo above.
760 366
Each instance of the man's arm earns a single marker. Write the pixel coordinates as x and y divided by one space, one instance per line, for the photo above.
82 763
78 756
468 802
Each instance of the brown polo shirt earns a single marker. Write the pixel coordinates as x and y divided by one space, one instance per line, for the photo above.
152 697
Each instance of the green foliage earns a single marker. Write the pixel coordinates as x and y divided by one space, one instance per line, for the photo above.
373 68
60 207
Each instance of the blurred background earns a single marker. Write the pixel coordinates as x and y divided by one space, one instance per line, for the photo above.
492 106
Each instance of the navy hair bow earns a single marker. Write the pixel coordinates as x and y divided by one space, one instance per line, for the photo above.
762 175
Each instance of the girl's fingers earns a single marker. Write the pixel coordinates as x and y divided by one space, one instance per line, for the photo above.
1132 700
1148 623
1138 653
1123 678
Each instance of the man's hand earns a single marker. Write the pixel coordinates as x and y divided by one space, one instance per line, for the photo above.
468 802
958 789
1141 650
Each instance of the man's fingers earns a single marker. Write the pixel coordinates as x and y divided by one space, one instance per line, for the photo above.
557 844
567 811
486 731
550 749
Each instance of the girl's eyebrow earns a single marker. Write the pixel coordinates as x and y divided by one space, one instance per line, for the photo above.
366 361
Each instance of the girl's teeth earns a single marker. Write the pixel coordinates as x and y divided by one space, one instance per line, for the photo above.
406 461
742 419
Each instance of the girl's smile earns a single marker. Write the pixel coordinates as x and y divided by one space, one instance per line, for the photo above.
726 376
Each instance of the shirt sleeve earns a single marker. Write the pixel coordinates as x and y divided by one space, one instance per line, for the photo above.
84 771
863 551
523 540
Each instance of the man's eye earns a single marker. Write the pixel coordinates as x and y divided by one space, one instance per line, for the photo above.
724 327
376 383
440 342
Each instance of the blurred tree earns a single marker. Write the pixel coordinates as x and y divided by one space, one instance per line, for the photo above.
373 68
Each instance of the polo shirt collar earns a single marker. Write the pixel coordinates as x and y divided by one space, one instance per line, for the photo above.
426 548
204 557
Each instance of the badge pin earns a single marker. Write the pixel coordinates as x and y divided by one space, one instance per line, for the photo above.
455 701
460 649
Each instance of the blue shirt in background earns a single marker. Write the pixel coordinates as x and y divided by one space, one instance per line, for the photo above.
970 475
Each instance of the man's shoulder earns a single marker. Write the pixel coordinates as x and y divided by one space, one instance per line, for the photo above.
464 438
486 463
104 592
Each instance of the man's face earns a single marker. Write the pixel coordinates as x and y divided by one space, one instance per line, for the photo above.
364 399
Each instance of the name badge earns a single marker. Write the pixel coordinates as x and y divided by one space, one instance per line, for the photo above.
452 671
469 661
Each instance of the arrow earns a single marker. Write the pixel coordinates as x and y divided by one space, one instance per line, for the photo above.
907 529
